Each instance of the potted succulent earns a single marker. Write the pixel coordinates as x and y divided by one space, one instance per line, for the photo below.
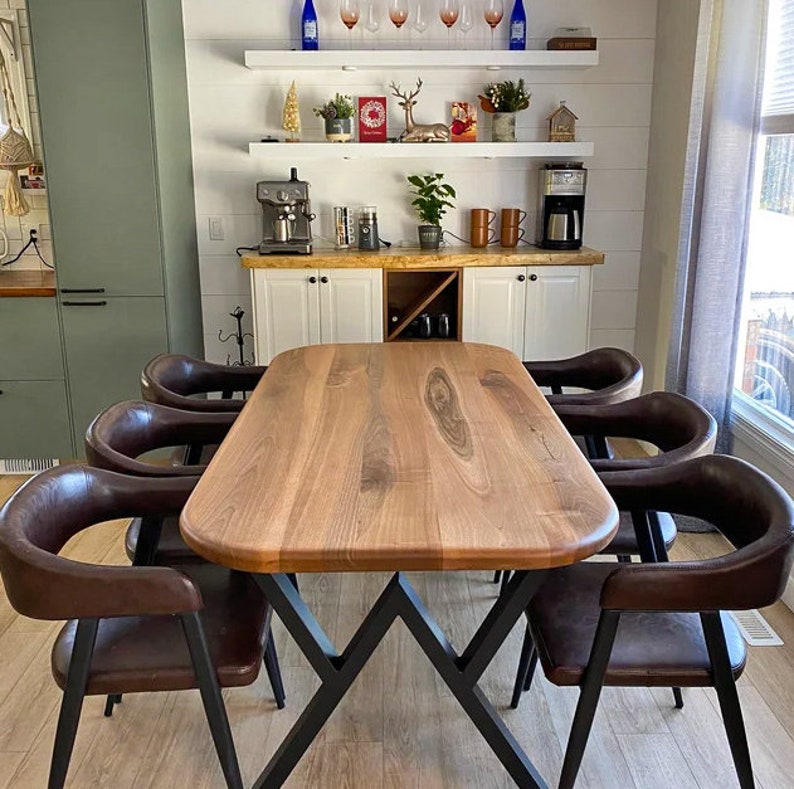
433 198
338 115
503 100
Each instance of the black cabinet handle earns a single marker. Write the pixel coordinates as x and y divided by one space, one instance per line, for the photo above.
1 391
533 277
323 280
520 277
312 280
82 290
83 303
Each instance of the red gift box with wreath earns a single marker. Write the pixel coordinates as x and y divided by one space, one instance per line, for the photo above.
372 119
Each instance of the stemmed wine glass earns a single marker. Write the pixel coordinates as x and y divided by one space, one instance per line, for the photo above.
419 19
493 13
466 21
398 12
448 10
372 22
350 12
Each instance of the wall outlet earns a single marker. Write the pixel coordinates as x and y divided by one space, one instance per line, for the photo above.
27 228
216 228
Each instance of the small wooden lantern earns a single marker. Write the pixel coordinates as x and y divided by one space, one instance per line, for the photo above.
562 125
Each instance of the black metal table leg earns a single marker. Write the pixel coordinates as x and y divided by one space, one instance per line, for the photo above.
460 672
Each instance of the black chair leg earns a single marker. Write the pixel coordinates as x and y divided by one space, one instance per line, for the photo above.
624 558
592 682
656 535
730 706
505 580
496 576
526 668
274 671
212 699
192 455
110 702
72 702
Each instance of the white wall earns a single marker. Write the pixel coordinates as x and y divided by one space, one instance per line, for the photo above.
231 106
39 215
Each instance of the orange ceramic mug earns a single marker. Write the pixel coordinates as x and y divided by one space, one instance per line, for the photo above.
511 235
512 217
481 231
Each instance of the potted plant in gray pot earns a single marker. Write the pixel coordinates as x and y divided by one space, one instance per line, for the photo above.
433 198
338 115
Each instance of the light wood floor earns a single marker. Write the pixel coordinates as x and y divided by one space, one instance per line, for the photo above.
399 726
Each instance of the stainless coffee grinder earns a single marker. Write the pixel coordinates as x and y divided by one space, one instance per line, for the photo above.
561 205
286 216
368 227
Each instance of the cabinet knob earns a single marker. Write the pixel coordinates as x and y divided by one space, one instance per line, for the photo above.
533 277
520 277
312 280
323 280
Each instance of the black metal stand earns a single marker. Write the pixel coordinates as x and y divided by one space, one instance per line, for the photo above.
460 672
239 337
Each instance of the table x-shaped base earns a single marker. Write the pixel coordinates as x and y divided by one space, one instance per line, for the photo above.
460 672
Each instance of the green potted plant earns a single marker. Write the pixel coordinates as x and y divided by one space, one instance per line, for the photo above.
338 115
433 198
503 100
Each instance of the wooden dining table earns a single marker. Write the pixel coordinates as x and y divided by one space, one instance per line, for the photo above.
400 457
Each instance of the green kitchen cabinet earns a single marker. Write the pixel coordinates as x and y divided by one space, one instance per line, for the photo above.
34 420
112 95
104 363
30 343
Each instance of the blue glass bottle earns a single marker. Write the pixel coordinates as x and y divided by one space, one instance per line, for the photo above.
309 37
518 26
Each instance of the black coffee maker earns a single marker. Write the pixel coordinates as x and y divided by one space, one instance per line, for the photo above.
561 205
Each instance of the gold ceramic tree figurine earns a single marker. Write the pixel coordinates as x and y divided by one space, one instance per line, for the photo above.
291 121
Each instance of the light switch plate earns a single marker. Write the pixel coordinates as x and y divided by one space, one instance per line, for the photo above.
216 228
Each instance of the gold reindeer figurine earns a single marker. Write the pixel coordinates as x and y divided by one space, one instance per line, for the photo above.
418 132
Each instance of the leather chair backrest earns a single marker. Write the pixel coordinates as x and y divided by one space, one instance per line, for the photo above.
751 510
52 507
678 426
611 374
124 431
175 379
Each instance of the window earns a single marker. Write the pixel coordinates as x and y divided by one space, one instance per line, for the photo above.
765 361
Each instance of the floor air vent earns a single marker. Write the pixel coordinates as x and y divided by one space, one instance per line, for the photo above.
755 629
26 465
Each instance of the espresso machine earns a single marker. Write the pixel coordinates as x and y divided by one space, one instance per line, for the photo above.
286 216
561 205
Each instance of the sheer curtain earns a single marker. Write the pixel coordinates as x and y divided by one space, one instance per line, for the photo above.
725 121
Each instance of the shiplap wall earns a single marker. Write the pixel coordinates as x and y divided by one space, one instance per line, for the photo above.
231 106
39 215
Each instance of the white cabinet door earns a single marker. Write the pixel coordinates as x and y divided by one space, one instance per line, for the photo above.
493 306
557 311
351 305
286 310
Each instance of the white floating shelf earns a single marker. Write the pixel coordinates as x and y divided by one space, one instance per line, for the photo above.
380 60
429 150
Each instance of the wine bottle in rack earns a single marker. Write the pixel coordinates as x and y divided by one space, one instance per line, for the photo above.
309 37
518 26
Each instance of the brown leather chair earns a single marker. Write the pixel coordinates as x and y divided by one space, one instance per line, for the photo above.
116 439
130 629
176 380
611 374
672 631
680 429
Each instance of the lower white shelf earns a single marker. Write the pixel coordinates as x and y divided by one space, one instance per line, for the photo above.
428 150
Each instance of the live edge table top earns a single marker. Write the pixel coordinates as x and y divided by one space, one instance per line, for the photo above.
397 456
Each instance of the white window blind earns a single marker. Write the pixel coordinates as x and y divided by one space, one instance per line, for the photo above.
778 102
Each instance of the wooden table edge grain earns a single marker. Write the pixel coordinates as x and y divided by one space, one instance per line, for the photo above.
212 545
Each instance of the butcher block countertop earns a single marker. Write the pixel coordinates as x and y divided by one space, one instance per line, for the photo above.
26 283
414 258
